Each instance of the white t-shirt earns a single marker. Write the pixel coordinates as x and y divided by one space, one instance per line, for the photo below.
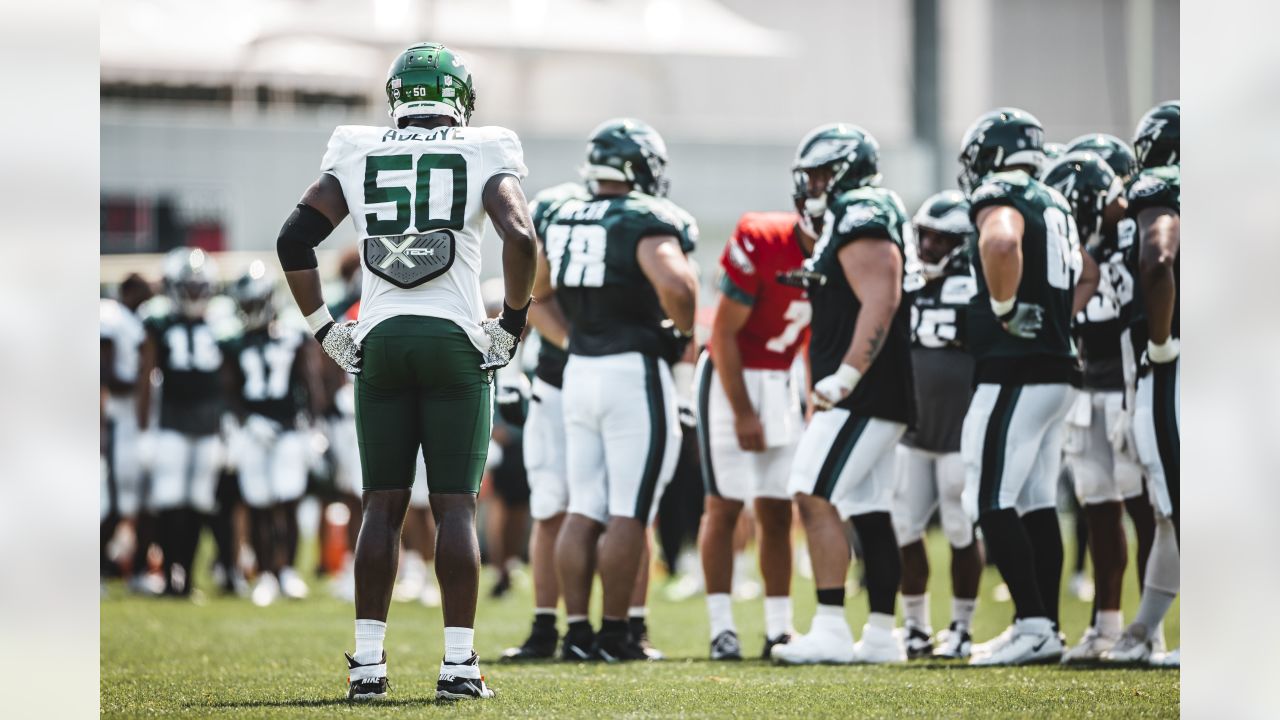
384 198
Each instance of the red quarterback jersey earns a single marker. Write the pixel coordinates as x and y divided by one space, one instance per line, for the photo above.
763 246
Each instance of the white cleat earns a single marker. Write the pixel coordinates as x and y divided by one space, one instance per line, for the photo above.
1091 647
954 643
878 646
994 644
1034 641
1171 659
292 584
266 590
816 648
1129 649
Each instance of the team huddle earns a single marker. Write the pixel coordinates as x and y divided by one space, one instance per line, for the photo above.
866 366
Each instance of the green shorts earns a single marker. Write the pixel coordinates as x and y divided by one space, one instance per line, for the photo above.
421 386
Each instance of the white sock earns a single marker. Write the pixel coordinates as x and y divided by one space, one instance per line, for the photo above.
830 619
777 615
915 609
575 618
457 644
720 612
544 611
1109 623
370 635
883 621
638 611
962 611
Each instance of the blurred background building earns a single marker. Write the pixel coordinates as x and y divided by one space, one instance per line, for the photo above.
214 116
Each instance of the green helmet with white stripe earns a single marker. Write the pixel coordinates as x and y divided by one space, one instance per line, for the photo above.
429 79
945 213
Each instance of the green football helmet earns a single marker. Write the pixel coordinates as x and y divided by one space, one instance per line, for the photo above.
1156 140
947 214
1112 149
1089 185
851 151
630 151
429 79
1001 138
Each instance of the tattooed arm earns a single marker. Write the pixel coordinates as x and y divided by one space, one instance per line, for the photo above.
874 270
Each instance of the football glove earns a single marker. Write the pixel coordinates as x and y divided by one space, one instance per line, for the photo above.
832 389
1023 321
504 335
339 343
512 398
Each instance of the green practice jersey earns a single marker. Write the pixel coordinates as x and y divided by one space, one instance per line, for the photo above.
1051 265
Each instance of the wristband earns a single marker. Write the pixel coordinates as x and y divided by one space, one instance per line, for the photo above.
682 376
319 319
513 320
848 375
1003 307
1163 353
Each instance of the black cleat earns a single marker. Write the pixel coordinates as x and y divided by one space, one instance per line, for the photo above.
367 682
540 645
577 646
615 647
919 642
769 642
640 634
462 681
725 646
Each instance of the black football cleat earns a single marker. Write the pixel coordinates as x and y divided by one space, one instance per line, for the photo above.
577 646
615 647
640 634
769 642
367 682
725 646
462 681
919 642
540 645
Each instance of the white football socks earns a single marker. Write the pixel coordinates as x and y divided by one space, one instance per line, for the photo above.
457 644
720 612
1109 623
915 610
962 612
777 615
370 635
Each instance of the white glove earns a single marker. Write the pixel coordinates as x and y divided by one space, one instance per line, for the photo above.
147 449
830 390
502 345
338 341
260 429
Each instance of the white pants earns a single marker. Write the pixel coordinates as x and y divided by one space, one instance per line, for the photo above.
544 452
185 471
125 465
1012 446
1100 474
728 471
272 472
1157 420
622 434
848 460
928 481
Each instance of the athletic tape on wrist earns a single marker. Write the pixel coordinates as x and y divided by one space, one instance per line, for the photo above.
1003 307
319 319
848 375
1163 353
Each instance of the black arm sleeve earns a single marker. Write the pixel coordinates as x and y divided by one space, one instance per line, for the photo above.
302 232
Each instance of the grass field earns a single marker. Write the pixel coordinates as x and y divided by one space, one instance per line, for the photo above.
222 657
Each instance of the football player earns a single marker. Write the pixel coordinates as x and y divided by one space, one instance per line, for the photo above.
860 353
183 449
418 194
617 264
1098 446
930 471
1155 206
749 417
269 372
1032 278
121 334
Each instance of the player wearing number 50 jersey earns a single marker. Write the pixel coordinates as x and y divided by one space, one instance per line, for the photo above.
1031 278
418 194
749 417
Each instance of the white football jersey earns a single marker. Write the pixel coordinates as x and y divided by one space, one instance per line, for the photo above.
415 199
125 331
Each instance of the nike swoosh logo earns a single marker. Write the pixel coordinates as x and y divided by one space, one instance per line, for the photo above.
1039 645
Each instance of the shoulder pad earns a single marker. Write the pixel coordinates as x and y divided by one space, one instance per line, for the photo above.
1147 185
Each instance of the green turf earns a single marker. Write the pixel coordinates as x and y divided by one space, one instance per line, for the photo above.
225 658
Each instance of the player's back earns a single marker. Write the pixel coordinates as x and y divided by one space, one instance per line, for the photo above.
763 246
591 247
1051 265
415 196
